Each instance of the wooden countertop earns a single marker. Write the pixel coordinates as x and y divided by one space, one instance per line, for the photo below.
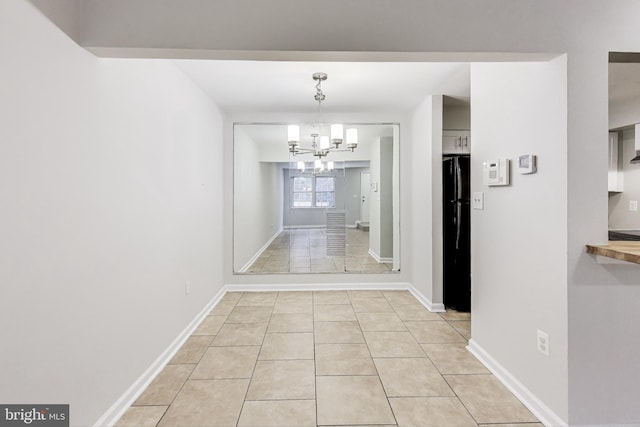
618 249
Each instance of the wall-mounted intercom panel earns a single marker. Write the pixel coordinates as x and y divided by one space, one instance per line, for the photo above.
496 173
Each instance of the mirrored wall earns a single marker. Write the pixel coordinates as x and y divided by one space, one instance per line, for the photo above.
303 213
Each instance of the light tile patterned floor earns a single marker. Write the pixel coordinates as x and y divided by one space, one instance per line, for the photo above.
331 358
304 251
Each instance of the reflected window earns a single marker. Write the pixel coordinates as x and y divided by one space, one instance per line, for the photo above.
325 192
310 192
302 192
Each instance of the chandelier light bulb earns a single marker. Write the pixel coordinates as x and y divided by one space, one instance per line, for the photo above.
352 138
318 165
329 166
301 166
293 132
336 134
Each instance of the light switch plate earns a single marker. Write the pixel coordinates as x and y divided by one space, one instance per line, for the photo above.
633 205
477 201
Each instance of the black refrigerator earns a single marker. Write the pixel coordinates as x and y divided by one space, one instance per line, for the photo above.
456 232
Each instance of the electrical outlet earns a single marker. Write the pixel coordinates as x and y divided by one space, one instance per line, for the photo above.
543 342
187 287
633 205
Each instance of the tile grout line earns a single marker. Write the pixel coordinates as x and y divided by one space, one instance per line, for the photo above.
194 365
461 402
315 364
386 395
449 384
244 400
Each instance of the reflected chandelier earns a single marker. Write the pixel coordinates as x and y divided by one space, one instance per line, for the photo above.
321 145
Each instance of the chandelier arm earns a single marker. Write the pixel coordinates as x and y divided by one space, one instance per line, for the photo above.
305 151
323 148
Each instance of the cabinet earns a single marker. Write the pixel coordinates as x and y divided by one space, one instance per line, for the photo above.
616 175
456 142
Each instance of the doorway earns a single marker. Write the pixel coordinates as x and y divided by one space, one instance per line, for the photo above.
456 227
365 194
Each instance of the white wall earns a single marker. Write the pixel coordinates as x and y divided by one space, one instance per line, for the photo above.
516 295
381 226
111 185
385 194
352 198
374 201
425 187
258 202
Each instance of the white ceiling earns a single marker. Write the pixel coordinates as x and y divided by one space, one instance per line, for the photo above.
354 87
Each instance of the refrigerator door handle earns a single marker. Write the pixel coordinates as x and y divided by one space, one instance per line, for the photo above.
458 219
458 181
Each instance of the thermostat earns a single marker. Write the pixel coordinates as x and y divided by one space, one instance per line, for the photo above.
527 164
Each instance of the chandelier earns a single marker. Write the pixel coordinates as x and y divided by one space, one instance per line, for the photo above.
322 145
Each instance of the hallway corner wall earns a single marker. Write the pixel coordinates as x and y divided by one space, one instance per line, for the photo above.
521 108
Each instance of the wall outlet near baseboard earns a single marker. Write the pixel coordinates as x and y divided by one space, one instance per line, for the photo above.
543 342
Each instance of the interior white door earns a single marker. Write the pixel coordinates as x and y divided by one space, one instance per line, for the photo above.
365 193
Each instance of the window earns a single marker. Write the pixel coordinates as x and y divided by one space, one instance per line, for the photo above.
302 192
325 192
310 192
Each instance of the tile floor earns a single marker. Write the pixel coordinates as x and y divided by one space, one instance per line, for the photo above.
330 358
304 251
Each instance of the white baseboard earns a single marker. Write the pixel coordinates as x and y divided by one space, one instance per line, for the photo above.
388 286
378 258
436 308
113 414
295 227
535 405
260 251
383 286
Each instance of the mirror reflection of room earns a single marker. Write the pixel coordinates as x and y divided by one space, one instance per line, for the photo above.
297 213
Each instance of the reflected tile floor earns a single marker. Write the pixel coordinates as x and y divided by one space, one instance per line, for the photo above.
304 251
329 358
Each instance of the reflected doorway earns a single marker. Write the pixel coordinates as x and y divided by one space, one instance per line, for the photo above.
365 193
